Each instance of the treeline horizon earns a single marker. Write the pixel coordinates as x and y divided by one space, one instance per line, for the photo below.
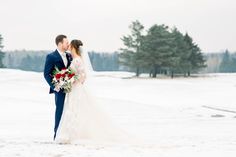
35 60
218 62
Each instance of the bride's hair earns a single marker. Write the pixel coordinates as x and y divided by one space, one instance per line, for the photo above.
76 45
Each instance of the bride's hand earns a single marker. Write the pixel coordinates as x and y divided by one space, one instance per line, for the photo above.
82 80
57 89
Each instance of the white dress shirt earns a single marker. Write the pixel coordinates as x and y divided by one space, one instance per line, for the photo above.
63 56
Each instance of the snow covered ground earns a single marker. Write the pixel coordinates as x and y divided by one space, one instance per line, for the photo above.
178 117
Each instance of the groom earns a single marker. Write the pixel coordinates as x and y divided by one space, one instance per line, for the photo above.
60 59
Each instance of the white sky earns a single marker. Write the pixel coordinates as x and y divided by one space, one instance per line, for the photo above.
33 24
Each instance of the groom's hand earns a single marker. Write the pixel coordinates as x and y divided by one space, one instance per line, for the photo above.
57 89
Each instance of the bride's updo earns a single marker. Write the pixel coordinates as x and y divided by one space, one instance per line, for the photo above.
76 45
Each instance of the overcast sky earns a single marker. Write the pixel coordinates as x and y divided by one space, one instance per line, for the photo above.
33 24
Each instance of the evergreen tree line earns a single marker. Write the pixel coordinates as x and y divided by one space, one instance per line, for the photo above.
228 63
222 62
34 60
1 53
160 50
105 61
25 60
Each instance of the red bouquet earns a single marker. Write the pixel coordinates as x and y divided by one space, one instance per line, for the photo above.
63 79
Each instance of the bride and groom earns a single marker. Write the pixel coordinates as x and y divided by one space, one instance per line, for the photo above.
77 117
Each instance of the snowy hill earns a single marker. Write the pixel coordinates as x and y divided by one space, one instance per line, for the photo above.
179 117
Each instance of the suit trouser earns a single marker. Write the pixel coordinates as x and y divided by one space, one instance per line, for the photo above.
59 101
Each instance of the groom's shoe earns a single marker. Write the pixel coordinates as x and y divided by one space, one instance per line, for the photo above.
54 136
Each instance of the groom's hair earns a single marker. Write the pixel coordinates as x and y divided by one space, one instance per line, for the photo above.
60 38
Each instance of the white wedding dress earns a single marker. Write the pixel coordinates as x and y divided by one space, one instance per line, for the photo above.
82 119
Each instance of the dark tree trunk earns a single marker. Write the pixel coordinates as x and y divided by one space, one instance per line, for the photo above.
165 72
150 73
188 73
137 71
155 72
172 74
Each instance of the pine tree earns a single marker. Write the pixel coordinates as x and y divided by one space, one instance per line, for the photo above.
131 55
156 48
187 56
179 58
195 57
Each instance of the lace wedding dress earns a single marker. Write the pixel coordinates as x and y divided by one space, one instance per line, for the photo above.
82 119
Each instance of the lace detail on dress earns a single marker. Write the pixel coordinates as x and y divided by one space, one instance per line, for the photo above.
78 66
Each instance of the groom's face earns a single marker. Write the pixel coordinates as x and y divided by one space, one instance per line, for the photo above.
65 44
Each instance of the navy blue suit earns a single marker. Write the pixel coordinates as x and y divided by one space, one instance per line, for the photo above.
53 60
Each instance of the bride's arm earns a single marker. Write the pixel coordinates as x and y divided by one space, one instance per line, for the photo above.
81 71
83 77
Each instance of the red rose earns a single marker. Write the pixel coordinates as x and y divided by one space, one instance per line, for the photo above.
58 76
71 75
63 75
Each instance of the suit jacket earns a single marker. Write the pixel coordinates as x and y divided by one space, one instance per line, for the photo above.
53 60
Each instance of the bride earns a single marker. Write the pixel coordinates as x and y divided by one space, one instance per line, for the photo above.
82 119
